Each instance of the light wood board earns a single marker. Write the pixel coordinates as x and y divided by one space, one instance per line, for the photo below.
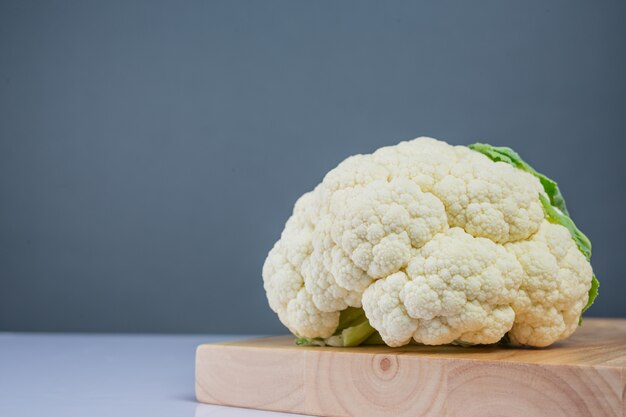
582 376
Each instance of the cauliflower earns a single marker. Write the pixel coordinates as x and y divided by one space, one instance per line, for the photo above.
424 242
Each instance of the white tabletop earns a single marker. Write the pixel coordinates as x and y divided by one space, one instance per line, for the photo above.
104 375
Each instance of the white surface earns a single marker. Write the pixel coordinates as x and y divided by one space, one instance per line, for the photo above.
104 375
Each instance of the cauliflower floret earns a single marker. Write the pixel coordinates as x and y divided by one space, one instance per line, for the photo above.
458 288
281 281
307 321
492 200
386 312
319 270
377 225
424 161
284 287
554 289
353 171
487 199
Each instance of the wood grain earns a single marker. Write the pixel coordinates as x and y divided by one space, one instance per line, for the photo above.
582 376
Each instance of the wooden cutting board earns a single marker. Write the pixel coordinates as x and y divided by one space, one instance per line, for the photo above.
583 376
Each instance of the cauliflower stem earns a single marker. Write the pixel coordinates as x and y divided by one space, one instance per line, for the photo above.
353 330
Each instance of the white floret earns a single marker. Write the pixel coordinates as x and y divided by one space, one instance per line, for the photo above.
492 200
281 281
554 289
285 291
424 161
459 288
306 320
326 262
377 225
385 310
354 171
487 199
475 280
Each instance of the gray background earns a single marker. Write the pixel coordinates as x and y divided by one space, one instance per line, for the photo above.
151 151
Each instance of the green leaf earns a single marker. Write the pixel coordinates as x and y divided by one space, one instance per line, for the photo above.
553 205
310 341
553 215
593 292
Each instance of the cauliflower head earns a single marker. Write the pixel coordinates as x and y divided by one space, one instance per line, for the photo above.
431 243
